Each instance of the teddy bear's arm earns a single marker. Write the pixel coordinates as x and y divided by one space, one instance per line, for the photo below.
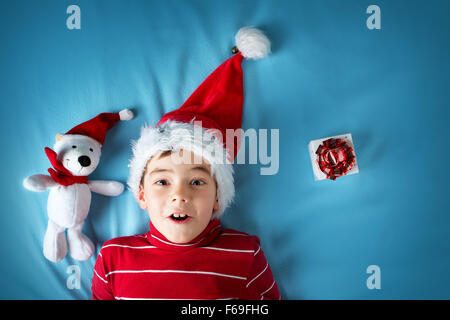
38 182
107 188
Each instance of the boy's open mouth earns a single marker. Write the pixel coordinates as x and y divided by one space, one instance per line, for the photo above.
179 217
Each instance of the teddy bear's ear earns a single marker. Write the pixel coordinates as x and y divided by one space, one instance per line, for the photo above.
58 137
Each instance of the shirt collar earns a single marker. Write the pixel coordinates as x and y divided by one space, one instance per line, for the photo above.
211 232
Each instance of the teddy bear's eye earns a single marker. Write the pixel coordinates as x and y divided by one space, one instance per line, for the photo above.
90 149
74 147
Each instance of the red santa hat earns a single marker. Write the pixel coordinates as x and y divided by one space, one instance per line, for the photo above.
95 128
214 107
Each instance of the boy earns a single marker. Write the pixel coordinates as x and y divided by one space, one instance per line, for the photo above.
181 173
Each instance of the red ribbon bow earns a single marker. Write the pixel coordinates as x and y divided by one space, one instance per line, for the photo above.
61 175
335 157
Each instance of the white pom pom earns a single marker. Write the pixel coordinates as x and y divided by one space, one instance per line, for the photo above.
126 114
252 43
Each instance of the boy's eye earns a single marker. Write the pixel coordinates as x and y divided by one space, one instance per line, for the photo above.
161 182
91 150
74 147
197 182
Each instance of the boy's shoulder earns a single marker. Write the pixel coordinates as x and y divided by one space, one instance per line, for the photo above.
238 240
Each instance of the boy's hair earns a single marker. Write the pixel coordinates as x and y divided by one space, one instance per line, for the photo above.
161 155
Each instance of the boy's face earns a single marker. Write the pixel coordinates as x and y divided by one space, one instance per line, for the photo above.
179 196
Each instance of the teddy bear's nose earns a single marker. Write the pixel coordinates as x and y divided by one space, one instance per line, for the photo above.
85 161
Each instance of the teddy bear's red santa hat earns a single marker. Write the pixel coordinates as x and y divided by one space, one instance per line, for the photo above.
214 107
94 129
97 127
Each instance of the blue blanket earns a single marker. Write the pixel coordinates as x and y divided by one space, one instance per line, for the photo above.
330 73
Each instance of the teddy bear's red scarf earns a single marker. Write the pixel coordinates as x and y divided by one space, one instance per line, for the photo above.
60 174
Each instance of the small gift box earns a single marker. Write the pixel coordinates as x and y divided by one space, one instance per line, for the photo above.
333 157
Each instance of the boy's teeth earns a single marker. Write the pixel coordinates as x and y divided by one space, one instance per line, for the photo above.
179 215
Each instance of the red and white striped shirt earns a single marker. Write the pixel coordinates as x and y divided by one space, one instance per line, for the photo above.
218 264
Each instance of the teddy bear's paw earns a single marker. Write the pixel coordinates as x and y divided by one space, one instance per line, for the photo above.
36 183
80 247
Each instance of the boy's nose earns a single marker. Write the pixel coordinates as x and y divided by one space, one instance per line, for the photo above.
179 195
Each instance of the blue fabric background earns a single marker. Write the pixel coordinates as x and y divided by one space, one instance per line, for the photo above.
328 74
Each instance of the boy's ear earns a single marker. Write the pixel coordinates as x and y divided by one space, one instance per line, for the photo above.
141 198
216 205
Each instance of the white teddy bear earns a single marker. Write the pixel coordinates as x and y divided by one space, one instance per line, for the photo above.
76 155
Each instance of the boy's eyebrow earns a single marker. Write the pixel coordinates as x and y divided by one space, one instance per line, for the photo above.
204 169
156 170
